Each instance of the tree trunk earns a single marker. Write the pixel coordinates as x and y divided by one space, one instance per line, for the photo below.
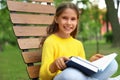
113 18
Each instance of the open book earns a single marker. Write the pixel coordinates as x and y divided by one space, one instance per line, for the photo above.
89 68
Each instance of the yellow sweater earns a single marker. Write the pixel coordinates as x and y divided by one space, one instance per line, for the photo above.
55 47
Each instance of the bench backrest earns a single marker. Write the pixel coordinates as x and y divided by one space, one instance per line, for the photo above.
29 24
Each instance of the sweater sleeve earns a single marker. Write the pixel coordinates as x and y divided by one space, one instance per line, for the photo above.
47 59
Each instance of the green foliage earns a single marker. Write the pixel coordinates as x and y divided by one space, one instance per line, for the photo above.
90 22
109 37
57 2
2 4
6 32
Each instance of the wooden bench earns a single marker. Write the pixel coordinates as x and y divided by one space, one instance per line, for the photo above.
29 24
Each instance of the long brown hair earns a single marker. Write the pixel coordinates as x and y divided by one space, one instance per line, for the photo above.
53 28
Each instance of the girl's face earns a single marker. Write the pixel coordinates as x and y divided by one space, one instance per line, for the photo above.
67 22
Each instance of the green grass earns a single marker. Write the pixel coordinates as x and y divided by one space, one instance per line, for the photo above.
12 66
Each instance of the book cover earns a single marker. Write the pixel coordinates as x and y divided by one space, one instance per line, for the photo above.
89 68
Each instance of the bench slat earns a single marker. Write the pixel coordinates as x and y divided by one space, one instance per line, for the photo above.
32 57
29 31
30 7
29 43
33 71
31 19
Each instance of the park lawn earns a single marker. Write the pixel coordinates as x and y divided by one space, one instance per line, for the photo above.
12 66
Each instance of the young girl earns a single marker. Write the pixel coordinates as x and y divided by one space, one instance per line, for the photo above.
61 44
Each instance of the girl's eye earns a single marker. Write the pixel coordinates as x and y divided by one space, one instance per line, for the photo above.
73 18
64 17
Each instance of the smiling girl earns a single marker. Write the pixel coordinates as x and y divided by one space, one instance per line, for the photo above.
61 44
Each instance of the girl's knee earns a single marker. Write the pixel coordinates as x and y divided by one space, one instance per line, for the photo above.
113 66
109 71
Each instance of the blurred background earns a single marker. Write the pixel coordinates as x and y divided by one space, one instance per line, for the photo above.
99 30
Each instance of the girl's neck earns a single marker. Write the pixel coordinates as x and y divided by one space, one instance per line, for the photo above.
63 35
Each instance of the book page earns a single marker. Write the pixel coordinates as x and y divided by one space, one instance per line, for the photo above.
103 62
84 63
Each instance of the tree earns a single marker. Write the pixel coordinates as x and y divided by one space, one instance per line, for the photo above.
90 23
113 18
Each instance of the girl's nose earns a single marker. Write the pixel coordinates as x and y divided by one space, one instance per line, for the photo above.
68 21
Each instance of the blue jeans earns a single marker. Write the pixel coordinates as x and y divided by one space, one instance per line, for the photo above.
74 74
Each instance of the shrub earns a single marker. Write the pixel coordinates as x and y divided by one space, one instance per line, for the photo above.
109 37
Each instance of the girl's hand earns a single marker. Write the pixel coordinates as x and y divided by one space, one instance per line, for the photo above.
96 57
58 64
